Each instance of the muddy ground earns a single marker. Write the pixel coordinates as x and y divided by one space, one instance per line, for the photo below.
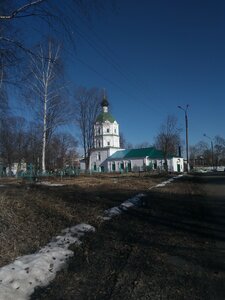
31 214
172 247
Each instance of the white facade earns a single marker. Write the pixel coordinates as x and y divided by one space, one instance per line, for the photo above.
15 168
106 140
106 135
144 164
176 164
98 159
108 157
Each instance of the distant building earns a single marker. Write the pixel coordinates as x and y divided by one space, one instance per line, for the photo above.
15 168
107 156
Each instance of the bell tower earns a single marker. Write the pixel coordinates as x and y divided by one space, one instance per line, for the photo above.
106 129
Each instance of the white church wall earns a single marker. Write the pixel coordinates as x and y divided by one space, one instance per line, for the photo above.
106 135
142 164
176 164
97 160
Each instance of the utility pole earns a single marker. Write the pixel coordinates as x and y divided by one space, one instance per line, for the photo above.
212 151
186 127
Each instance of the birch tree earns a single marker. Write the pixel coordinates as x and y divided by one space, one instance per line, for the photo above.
46 91
16 34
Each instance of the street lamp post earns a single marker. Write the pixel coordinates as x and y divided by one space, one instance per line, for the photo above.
186 126
212 154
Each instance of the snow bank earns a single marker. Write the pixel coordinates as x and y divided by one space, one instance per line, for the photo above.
18 279
50 184
117 210
164 183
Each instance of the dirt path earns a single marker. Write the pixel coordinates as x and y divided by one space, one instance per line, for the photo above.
173 247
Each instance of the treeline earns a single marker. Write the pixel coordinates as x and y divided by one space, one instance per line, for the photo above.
34 75
21 141
208 154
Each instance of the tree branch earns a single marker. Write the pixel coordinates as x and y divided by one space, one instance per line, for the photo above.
21 9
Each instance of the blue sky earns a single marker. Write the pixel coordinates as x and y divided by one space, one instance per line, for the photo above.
152 56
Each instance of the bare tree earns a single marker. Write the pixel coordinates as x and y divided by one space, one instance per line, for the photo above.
168 139
199 154
219 150
87 107
143 145
46 87
13 140
123 141
62 149
33 151
59 17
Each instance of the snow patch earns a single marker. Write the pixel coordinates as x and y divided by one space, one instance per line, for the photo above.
49 184
117 210
18 279
164 183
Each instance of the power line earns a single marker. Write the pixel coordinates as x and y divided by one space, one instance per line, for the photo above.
110 60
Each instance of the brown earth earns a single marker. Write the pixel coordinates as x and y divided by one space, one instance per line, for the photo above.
31 214
171 247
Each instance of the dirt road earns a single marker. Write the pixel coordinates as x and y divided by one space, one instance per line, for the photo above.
172 247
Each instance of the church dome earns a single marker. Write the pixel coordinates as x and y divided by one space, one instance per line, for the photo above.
104 102
105 116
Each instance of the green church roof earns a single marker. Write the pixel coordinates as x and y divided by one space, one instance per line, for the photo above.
143 152
151 152
105 116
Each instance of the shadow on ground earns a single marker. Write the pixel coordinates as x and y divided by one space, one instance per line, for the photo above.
172 247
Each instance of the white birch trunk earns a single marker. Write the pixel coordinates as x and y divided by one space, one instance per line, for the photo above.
44 76
44 135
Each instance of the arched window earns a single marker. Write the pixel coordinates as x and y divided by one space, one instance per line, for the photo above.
99 156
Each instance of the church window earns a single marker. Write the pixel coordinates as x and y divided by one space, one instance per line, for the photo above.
107 129
99 156
115 130
99 131
99 143
108 143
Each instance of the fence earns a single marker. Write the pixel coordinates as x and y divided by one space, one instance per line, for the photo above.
32 174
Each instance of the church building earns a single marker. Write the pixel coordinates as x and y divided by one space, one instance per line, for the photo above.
106 139
107 156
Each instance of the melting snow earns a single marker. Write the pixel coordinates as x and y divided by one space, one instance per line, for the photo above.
117 210
164 183
49 184
18 279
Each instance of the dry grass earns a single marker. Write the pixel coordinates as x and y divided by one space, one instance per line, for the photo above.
31 214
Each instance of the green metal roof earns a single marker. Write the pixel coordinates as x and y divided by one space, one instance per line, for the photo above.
105 116
138 153
120 154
